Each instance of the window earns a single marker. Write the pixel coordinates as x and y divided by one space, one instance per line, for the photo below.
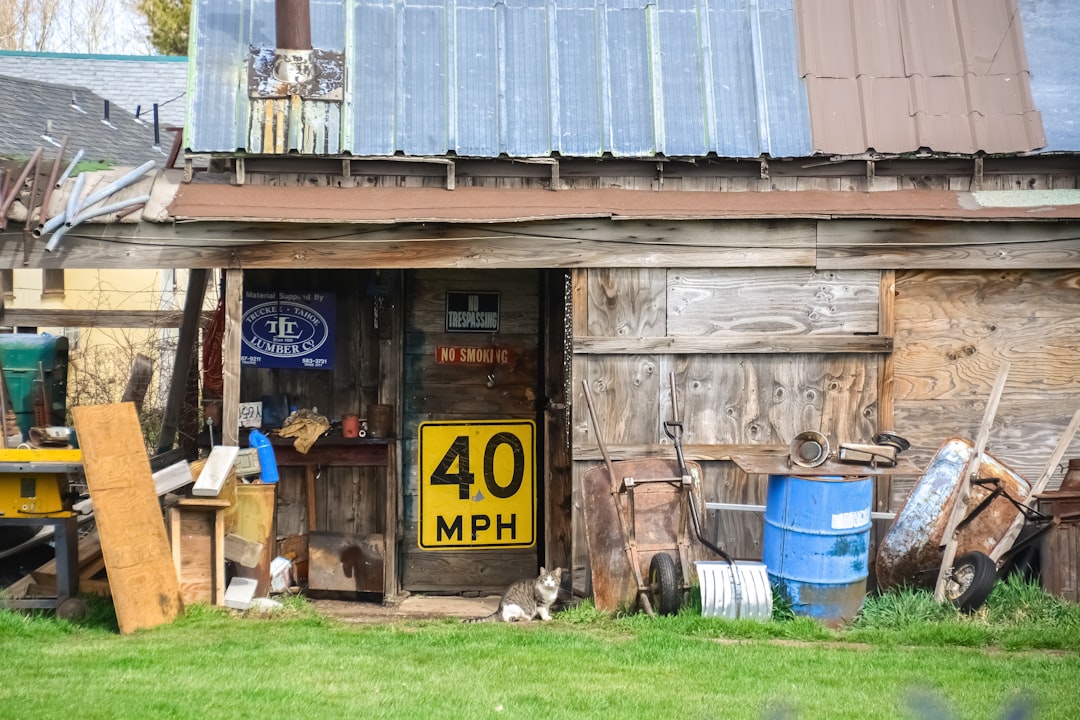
52 283
7 284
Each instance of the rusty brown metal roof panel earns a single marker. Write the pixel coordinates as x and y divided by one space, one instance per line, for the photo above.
990 36
930 38
957 67
262 203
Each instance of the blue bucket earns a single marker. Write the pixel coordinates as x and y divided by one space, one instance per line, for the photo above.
817 542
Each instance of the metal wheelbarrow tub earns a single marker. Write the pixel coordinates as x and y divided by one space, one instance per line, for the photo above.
910 553
656 526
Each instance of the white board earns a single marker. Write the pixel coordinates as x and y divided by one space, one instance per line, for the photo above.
215 471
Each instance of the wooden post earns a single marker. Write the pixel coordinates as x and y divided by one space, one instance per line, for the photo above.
971 471
193 302
230 357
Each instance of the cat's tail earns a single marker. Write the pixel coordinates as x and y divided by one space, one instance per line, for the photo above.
493 617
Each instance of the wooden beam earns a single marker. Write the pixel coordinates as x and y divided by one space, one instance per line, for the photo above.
734 345
718 451
868 244
230 358
828 244
185 354
971 471
61 317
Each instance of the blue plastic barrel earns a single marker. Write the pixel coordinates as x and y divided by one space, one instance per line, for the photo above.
268 471
816 544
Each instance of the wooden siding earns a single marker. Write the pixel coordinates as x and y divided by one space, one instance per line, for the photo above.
954 329
730 399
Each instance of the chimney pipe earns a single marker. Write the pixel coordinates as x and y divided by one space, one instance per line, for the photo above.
293 24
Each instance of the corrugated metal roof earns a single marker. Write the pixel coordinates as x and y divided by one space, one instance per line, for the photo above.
898 75
1051 33
522 78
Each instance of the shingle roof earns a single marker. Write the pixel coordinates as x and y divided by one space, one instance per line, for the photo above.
34 110
130 82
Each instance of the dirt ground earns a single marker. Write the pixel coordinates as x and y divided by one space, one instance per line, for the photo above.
406 607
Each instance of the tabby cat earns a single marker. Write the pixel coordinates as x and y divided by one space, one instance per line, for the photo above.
526 599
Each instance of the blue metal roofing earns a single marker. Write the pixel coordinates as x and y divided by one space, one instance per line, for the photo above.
521 78
1051 30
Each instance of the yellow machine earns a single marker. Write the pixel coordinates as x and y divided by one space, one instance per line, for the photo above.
37 482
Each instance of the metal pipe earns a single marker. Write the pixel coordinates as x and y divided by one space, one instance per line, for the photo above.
72 208
55 239
54 222
292 22
90 214
70 168
53 175
106 209
118 184
7 200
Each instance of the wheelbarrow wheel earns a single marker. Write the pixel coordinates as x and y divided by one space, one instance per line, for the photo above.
664 584
972 581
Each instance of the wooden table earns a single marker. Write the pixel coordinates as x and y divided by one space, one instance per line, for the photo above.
336 451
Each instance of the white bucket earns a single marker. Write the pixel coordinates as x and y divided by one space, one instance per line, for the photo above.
744 594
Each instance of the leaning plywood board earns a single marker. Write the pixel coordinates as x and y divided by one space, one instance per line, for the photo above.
145 588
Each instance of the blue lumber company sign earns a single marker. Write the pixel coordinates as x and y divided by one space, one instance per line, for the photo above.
284 329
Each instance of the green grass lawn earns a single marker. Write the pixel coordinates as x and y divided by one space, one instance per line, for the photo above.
907 657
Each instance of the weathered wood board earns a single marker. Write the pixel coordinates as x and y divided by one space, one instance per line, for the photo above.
754 396
345 562
197 536
954 329
145 588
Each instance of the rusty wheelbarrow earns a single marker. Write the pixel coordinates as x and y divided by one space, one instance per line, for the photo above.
910 553
639 515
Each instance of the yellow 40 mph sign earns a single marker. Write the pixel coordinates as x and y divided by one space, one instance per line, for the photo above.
477 484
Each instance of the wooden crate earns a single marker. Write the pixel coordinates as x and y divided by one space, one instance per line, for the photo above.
1059 553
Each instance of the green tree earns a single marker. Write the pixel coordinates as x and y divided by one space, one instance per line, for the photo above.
168 21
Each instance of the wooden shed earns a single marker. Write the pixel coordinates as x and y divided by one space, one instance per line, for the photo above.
473 292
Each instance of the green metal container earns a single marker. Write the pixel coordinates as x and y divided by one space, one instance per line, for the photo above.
26 358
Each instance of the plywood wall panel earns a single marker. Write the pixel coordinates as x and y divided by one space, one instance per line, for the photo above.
762 398
709 301
627 302
954 329
625 391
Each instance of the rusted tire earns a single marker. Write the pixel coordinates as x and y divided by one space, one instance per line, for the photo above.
1023 560
663 585
972 581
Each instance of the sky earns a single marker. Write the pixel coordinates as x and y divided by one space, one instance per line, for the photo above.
122 30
